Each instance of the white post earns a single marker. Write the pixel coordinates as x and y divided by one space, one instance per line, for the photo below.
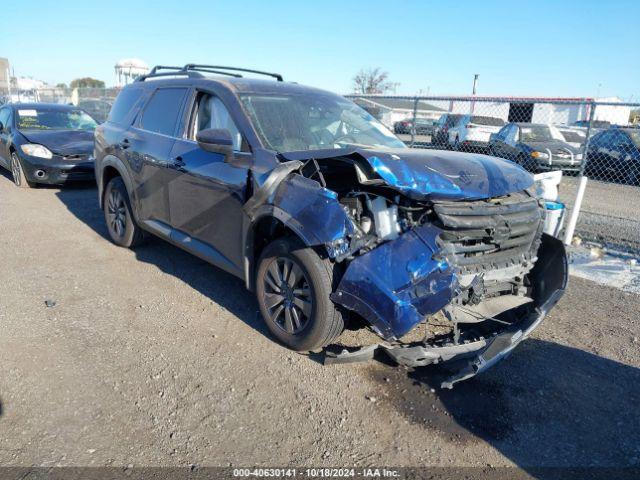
571 227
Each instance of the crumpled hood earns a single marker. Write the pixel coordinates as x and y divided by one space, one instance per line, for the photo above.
62 142
435 174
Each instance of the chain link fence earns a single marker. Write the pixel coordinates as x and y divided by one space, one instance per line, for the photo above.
95 101
580 137
597 139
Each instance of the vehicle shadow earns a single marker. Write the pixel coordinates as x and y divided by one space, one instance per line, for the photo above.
222 288
548 405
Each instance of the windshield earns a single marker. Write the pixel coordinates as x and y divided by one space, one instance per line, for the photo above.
536 133
54 119
491 121
573 136
292 122
635 137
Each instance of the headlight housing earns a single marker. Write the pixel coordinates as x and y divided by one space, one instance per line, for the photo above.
35 150
540 155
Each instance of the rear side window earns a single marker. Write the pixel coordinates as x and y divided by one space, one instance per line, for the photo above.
123 104
161 113
451 120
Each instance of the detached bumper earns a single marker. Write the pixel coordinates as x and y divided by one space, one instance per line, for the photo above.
549 280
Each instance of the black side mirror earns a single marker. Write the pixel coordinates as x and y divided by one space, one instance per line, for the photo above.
216 140
1 127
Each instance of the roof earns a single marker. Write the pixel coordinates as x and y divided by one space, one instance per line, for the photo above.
39 105
238 85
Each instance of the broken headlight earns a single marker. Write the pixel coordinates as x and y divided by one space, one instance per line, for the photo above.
338 248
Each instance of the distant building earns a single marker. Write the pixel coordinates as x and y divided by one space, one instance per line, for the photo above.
559 111
128 69
390 110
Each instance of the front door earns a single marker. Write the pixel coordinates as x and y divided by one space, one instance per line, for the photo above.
207 190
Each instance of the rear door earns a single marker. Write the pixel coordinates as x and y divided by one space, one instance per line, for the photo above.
207 190
150 141
5 118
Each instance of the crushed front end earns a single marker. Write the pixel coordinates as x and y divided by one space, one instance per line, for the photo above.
483 272
446 242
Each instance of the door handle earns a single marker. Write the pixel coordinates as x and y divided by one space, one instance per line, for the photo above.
124 144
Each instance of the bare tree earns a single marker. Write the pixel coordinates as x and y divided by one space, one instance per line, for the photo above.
373 80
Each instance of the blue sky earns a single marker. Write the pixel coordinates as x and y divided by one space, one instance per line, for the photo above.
542 48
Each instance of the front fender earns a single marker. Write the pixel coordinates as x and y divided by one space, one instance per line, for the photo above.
396 285
304 206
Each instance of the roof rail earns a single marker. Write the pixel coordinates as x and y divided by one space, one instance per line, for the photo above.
208 68
173 71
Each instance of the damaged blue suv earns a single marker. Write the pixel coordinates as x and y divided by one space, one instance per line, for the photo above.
328 217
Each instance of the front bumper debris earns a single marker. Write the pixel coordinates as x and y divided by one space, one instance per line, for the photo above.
548 278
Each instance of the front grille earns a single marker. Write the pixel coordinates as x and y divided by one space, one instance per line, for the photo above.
83 157
492 233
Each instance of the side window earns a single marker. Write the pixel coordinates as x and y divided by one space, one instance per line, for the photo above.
210 112
123 104
4 116
161 112
621 140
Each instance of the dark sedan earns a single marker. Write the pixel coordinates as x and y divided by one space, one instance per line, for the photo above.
535 146
423 126
46 143
615 155
440 136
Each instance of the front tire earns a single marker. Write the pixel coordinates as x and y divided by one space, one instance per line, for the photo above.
293 284
118 215
19 177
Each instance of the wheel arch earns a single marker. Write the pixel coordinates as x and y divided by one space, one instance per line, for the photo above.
268 225
111 167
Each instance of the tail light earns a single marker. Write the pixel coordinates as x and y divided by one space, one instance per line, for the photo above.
470 125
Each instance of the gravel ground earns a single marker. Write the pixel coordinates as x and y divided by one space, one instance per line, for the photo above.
153 357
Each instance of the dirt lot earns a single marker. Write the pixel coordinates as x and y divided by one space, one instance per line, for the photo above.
153 357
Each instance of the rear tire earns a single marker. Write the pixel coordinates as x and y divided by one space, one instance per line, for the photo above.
123 229
293 284
19 177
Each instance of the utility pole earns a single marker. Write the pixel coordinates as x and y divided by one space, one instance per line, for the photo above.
475 83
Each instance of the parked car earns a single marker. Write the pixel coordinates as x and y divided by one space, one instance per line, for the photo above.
473 131
535 146
599 124
440 135
424 126
46 143
573 136
328 217
97 108
614 154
